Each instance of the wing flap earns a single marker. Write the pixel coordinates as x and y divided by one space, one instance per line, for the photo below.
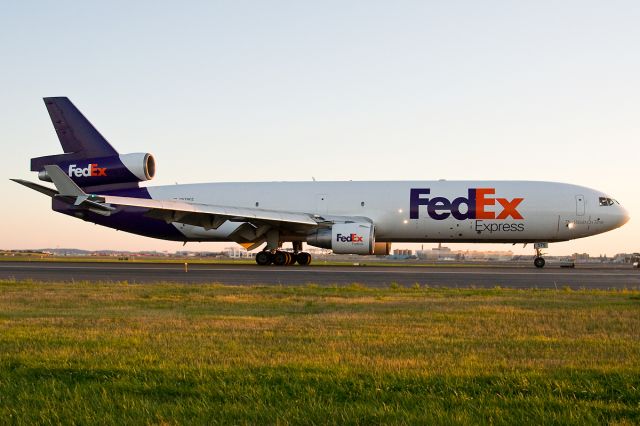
206 221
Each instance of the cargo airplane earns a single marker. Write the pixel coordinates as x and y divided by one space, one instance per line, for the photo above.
95 183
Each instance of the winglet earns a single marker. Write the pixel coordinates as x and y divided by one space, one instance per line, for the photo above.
63 183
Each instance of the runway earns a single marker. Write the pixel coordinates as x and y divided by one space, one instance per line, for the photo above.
372 276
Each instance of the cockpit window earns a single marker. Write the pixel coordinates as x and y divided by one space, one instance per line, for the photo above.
604 201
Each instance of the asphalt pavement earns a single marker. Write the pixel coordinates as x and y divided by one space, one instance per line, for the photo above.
373 276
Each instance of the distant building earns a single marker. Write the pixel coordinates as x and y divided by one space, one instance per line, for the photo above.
625 257
435 253
446 254
236 252
580 257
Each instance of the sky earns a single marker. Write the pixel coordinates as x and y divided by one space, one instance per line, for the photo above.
362 90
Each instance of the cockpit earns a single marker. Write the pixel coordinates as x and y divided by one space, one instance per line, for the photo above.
605 201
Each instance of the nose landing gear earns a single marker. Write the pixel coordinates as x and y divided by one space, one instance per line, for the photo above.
539 260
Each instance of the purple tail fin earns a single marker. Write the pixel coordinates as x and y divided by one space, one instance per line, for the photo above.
78 137
88 159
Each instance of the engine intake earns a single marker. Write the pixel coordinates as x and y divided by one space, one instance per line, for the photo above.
345 238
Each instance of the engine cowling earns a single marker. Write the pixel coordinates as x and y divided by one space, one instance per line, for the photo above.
345 238
126 168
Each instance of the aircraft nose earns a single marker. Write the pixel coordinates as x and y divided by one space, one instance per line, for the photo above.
625 216
622 216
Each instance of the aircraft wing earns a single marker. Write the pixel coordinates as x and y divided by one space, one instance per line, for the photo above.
209 216
255 222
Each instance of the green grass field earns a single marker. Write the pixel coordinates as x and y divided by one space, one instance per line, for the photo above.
89 353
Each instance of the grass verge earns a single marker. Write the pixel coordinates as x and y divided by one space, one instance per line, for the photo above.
167 353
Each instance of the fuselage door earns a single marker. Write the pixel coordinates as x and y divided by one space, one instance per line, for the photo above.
580 205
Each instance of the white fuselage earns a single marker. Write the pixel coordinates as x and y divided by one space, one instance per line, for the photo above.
503 211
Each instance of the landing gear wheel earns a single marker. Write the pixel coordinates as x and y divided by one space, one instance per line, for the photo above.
264 258
291 258
303 258
539 260
280 258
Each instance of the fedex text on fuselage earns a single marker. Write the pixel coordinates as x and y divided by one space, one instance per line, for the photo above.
479 204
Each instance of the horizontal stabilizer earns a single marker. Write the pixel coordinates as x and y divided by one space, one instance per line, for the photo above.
89 202
36 187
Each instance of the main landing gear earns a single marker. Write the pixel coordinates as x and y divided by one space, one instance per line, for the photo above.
284 258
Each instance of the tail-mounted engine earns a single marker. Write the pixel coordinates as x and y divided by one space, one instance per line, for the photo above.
127 168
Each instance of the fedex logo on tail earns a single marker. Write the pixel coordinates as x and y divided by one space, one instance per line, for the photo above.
479 204
91 170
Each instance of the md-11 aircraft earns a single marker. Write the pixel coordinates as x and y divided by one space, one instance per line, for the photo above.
95 183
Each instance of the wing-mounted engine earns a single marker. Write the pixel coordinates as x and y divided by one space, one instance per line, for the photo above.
345 238
90 172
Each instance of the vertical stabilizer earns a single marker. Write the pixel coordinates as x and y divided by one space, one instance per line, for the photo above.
75 132
78 137
89 161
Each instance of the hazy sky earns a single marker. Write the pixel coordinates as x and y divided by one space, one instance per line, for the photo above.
255 90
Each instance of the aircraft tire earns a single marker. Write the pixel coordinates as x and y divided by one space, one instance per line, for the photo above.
291 258
264 258
280 258
539 262
303 258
